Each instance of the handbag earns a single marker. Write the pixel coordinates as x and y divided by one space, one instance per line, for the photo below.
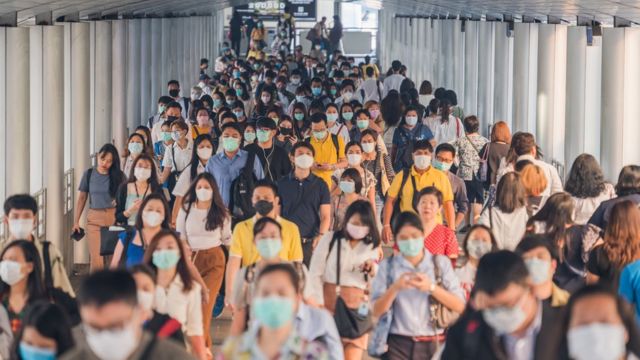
377 346
441 316
351 323
109 236
483 169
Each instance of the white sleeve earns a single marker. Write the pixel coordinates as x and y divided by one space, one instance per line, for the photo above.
194 312
182 185
181 224
167 161
317 269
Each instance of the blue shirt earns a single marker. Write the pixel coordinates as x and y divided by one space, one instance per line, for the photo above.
134 253
411 306
315 323
630 286
403 139
301 200
225 170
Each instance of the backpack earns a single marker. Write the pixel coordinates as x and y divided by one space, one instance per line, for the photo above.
334 140
57 296
175 174
240 205
404 159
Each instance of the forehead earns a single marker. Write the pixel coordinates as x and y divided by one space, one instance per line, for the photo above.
110 314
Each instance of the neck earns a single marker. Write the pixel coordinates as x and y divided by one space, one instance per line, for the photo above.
149 233
230 155
165 277
271 341
267 144
203 204
415 260
543 291
102 170
369 156
429 225
19 289
182 142
301 174
141 183
421 171
473 261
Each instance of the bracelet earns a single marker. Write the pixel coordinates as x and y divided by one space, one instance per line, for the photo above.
386 226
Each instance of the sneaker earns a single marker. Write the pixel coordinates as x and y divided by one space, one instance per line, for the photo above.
218 308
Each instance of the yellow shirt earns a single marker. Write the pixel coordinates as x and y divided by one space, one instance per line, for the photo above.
198 130
326 154
242 243
431 177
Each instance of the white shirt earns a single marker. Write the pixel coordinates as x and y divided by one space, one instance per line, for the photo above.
370 87
507 228
392 82
156 130
184 180
425 99
186 307
182 156
342 130
323 268
449 131
584 208
192 228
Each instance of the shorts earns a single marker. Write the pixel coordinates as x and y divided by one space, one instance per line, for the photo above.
475 191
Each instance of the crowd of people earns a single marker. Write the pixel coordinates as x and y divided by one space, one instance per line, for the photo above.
321 204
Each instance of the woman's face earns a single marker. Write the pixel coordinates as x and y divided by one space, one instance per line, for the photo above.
276 283
411 113
408 232
144 282
143 134
286 124
332 110
168 242
347 109
154 205
374 107
298 111
205 144
31 336
270 231
363 116
428 207
203 118
136 139
481 234
597 308
144 164
16 254
105 160
355 150
356 219
203 184
177 130
368 139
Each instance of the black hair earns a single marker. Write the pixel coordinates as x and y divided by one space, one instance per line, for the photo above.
465 241
407 218
267 184
164 99
471 124
263 222
195 159
105 286
395 65
452 97
167 213
235 126
116 176
35 283
368 219
422 145
497 270
352 143
51 321
533 241
182 267
447 148
154 185
288 269
585 178
173 104
302 144
426 88
354 174
439 93
520 165
173 82
556 214
217 213
431 190
360 112
21 202
144 269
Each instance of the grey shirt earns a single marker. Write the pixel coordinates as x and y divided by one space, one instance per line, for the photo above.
99 197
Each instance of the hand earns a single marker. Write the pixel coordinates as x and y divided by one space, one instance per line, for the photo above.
205 295
367 266
386 234
403 282
75 228
230 306
292 140
421 282
316 240
135 206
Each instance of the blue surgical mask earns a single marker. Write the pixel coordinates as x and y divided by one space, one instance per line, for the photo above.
238 114
30 352
478 248
298 116
249 137
538 270
442 166
316 91
230 144
236 74
299 98
135 148
165 259
165 136
333 91
411 247
273 312
217 103
175 135
347 115
332 117
320 134
411 120
262 135
269 248
505 319
347 187
362 123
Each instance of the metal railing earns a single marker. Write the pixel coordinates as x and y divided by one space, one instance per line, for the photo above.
41 219
69 181
560 168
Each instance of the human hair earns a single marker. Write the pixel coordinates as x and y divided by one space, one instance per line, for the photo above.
354 175
232 125
422 145
116 176
360 112
622 234
433 106
318 118
426 88
556 214
262 223
510 193
351 144
287 269
302 144
533 179
217 213
439 93
445 110
107 286
167 214
195 159
266 183
146 270
407 218
35 283
523 143
51 321
182 268
446 147
126 153
180 124
534 241
395 65
465 241
391 108
585 179
173 104
520 165
369 71
471 124
173 82
152 180
452 97
371 132
497 270
148 144
433 191
20 202
368 219
500 132
628 181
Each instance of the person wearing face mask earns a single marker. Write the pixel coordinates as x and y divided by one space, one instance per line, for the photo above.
347 93
599 325
112 323
274 159
45 334
445 153
165 141
408 183
335 124
305 199
404 290
317 92
541 258
161 325
135 147
379 164
284 97
275 306
177 293
478 242
238 109
249 135
361 122
173 87
409 131
155 121
204 123
205 225
227 165
371 88
295 80
177 157
506 319
286 137
347 258
348 190
142 181
354 159
196 93
329 149
153 215
264 102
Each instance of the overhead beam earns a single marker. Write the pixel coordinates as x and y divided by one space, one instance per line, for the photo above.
9 19
45 18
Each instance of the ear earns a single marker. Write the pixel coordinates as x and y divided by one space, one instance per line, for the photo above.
28 267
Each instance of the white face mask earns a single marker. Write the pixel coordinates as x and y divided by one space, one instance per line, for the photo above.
21 228
304 161
205 153
538 270
145 299
152 218
597 341
422 161
142 174
354 159
204 194
368 147
116 344
505 319
347 96
11 272
477 248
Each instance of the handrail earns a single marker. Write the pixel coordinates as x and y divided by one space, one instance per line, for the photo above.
560 168
41 219
69 181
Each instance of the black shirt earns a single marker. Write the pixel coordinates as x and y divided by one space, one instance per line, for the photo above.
600 265
275 161
600 217
301 202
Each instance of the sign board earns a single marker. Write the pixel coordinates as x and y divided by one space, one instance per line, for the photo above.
302 10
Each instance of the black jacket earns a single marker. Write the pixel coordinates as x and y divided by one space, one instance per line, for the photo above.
472 338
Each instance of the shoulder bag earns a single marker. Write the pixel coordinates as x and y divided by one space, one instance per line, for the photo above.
441 316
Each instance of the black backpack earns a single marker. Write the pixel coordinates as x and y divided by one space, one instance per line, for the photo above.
404 159
406 173
241 205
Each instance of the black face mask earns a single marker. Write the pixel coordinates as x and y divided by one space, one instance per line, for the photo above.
172 118
263 207
174 93
286 131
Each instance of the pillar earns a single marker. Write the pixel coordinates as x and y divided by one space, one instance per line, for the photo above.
525 67
102 85
503 75
459 61
620 105
119 88
147 102
486 50
470 104
157 85
132 61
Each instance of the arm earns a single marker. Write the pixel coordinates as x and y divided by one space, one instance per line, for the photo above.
233 265
325 220
177 205
117 254
462 203
386 219
394 152
371 196
121 198
449 214
238 322
194 324
80 203
317 268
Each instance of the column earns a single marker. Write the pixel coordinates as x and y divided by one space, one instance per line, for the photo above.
503 75
17 111
36 108
486 72
620 105
459 61
119 88
80 114
147 102
525 67
102 85
470 104
157 84
132 61
448 30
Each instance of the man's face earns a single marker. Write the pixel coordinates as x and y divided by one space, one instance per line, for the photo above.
542 254
319 126
445 157
174 111
20 214
173 87
111 316
513 296
263 193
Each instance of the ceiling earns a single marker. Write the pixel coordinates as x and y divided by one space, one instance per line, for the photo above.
568 10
